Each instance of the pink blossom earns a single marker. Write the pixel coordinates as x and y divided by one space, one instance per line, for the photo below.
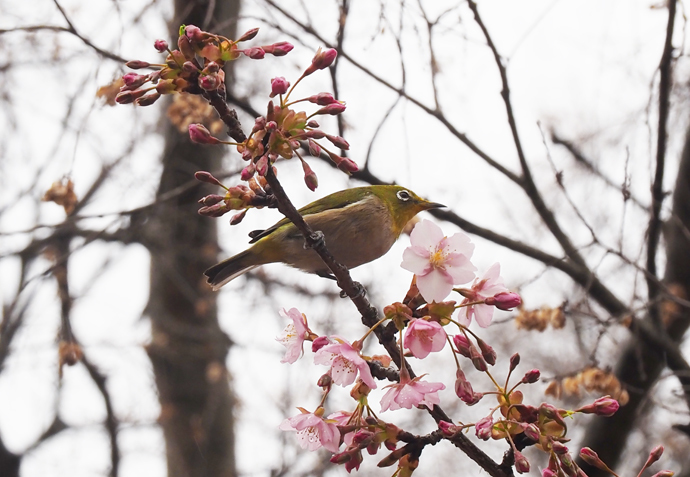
293 335
313 431
604 406
438 261
489 285
411 393
344 418
345 362
279 85
505 300
422 337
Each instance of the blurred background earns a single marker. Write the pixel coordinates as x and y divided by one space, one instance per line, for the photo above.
554 131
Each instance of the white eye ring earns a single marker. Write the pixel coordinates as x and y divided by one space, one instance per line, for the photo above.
403 195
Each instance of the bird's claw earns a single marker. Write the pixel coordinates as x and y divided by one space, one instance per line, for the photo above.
361 291
317 238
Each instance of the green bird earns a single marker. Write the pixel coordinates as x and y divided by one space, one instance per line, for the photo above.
359 225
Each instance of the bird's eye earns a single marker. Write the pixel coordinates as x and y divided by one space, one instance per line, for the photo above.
404 195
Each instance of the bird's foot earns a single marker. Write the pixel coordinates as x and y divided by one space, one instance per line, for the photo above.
361 291
328 275
317 238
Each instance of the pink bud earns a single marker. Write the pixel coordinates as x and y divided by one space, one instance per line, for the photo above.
279 85
531 376
271 126
310 177
592 458
259 124
319 343
127 97
448 428
333 109
514 361
194 33
338 141
655 455
483 428
148 100
216 210
237 218
504 300
324 381
209 82
477 359
315 134
463 388
532 432
203 176
312 124
559 448
211 68
322 99
137 64
314 148
189 67
521 462
248 35
488 352
133 80
323 59
548 473
348 165
161 45
262 165
255 53
604 406
200 135
281 48
462 344
248 172
210 199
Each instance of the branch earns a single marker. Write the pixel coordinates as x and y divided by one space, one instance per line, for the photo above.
654 230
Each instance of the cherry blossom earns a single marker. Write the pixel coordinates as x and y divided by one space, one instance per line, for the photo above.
409 393
345 362
489 285
438 261
422 337
293 335
313 431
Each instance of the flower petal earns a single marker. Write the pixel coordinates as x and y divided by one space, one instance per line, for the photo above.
435 286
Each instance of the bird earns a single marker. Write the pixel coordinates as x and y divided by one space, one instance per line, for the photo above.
359 225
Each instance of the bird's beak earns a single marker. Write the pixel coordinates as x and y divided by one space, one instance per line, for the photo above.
432 205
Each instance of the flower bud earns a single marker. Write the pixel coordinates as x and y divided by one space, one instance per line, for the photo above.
279 85
462 344
504 300
137 64
483 428
477 359
148 100
463 388
321 60
127 97
216 210
203 176
209 82
333 109
338 141
319 343
532 432
271 126
655 455
281 48
559 448
548 473
211 68
531 376
237 218
194 33
324 381
255 53
161 45
312 124
259 124
348 165
604 406
310 177
521 462
133 81
514 361
210 199
592 458
184 44
189 67
248 35
488 352
448 428
262 165
314 148
200 135
248 172
322 99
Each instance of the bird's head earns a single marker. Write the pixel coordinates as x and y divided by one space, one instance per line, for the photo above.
402 203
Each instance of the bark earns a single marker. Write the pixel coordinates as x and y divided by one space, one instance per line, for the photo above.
188 349
640 365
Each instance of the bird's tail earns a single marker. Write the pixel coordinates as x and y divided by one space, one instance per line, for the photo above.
231 268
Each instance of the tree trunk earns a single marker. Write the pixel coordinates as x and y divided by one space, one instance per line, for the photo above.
188 349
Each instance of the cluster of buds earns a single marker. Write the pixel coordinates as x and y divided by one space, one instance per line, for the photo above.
195 67
283 130
240 197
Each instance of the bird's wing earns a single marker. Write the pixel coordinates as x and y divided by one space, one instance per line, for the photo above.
338 200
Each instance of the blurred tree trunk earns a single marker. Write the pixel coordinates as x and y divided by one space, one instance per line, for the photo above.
188 348
640 364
